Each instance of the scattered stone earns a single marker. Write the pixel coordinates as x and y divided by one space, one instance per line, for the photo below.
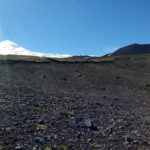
44 115
146 143
116 98
103 89
36 147
19 147
129 138
117 77
79 75
65 79
44 76
41 122
89 124
40 141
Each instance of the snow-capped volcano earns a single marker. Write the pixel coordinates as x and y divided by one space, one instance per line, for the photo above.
10 48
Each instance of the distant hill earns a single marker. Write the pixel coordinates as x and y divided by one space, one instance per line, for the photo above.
107 55
133 49
82 57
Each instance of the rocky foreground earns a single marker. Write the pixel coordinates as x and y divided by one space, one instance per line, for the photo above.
42 108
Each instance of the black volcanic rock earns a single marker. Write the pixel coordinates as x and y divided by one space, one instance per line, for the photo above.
133 49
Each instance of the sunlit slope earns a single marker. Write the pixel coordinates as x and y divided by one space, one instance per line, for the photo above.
122 76
62 103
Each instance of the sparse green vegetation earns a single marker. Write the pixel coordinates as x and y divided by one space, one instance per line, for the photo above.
102 129
23 105
48 148
9 88
42 127
23 58
40 109
15 58
8 129
30 95
1 147
55 97
65 112
5 101
62 147
129 137
96 145
5 106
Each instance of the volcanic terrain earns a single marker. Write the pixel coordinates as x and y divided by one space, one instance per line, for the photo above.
73 104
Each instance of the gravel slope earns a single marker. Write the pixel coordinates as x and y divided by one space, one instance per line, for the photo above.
75 106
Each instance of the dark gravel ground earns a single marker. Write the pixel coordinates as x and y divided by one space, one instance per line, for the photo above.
71 108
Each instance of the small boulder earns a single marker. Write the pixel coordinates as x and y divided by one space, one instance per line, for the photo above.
39 140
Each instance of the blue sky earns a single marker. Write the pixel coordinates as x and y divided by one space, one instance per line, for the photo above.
93 27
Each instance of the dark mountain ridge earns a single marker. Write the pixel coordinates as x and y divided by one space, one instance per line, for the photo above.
82 57
133 49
